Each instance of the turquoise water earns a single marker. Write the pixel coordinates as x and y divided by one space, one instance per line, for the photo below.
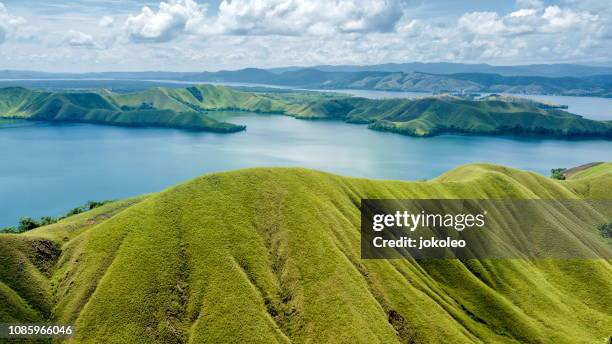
47 169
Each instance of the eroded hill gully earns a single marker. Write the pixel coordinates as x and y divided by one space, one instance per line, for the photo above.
279 306
174 328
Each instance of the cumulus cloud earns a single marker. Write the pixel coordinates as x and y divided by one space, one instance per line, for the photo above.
561 19
524 12
78 39
298 17
268 33
526 20
172 18
257 17
9 24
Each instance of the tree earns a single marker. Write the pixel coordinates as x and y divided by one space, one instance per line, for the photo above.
47 220
558 173
26 224
10 229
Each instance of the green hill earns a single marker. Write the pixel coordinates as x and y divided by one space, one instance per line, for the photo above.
436 115
180 108
191 107
273 255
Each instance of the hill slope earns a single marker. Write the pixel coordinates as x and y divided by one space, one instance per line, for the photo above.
415 81
177 108
435 115
189 108
272 255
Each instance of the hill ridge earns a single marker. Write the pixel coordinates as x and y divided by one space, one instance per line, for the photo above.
271 255
190 108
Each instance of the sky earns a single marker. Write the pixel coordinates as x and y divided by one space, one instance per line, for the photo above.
197 35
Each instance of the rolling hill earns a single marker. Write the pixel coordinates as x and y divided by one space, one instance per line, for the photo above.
446 114
184 108
569 80
272 255
190 108
592 85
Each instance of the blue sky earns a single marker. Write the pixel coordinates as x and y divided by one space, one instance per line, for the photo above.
193 35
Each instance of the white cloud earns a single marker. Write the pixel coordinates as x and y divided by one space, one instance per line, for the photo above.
267 33
106 21
258 17
524 12
171 19
527 20
298 17
78 39
10 25
562 19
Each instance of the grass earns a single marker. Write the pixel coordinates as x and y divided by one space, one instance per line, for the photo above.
152 108
273 255
194 107
598 170
446 114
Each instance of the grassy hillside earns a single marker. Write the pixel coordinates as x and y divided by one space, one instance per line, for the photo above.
154 107
191 108
273 255
447 114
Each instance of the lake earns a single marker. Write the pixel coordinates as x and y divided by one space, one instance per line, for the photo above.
49 168
588 107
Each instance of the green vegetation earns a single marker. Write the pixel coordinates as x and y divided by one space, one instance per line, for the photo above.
558 173
195 107
447 114
273 255
589 170
175 108
27 223
605 229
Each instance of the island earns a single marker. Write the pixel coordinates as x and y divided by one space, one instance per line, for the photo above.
193 108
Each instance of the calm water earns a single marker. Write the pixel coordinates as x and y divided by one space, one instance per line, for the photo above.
47 169
588 107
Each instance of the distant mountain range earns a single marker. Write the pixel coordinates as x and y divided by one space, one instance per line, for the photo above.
548 70
389 78
597 85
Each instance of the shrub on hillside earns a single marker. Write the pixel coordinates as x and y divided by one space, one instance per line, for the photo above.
557 173
27 223
605 230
